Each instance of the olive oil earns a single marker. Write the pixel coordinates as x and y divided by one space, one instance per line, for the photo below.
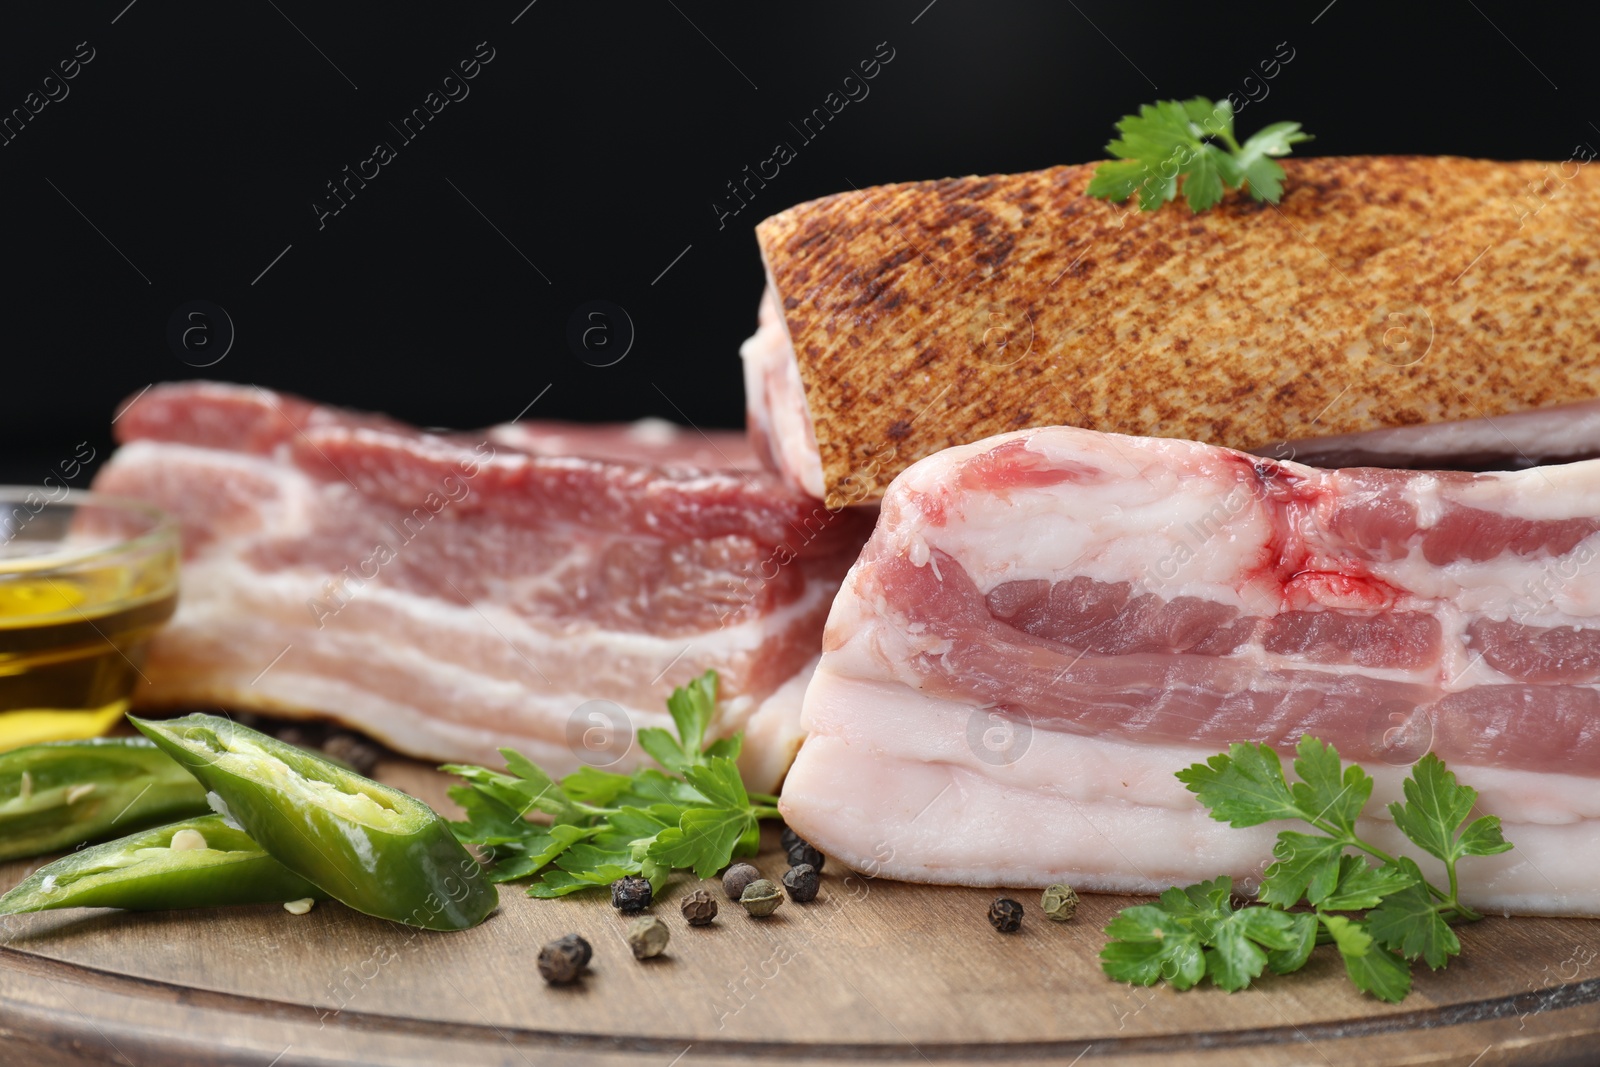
72 644
85 580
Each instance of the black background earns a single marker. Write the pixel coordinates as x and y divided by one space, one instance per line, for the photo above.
591 150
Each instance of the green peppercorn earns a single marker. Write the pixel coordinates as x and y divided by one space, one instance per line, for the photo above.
803 853
761 898
699 908
1059 902
735 878
1005 915
647 937
631 894
801 882
563 960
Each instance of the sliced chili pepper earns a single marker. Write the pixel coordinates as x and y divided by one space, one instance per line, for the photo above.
196 863
62 793
372 847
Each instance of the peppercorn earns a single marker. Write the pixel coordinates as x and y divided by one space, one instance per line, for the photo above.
648 937
584 949
1060 902
631 894
563 960
788 839
735 878
803 853
699 908
801 882
1005 915
761 898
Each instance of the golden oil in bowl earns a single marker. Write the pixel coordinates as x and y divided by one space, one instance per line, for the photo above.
85 580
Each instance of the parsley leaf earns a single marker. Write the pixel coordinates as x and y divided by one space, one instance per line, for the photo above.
696 814
1378 915
1196 932
1172 140
1411 923
1436 806
1371 967
1149 945
1243 787
1362 886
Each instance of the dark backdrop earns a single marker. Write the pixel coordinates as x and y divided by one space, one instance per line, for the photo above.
183 161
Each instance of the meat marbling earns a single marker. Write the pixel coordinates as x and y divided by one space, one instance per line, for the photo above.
450 594
1047 624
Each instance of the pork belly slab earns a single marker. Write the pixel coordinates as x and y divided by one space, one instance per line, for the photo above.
1382 293
1046 625
450 594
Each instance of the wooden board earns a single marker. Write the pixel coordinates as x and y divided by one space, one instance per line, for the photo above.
872 971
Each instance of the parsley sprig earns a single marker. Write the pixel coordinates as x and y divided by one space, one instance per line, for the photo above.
1173 139
694 813
1380 916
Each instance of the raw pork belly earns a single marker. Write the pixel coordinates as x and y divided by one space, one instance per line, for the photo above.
450 594
1047 624
903 319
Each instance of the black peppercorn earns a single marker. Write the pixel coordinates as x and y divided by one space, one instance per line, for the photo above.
563 960
735 878
801 882
631 894
699 908
788 839
803 853
1005 915
584 949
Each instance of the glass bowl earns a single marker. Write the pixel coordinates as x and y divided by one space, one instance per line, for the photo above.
85 580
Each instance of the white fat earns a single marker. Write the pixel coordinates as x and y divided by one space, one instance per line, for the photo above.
776 398
938 822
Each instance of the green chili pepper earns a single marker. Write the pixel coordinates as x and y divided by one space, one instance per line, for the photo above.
62 793
371 847
197 863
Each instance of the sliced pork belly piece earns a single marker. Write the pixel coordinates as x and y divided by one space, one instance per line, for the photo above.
451 594
1047 624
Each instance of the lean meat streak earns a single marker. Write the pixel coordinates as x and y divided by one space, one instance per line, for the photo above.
1047 624
538 586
